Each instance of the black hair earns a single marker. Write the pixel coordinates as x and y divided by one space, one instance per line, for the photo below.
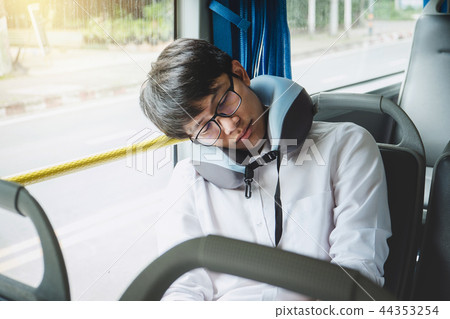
183 74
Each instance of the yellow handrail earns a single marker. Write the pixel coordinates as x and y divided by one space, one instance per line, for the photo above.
90 161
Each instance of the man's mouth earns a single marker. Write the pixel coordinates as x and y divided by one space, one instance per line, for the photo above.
246 134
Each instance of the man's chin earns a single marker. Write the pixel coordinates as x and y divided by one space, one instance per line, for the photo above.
243 144
249 146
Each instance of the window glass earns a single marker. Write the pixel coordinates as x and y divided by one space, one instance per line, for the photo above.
336 43
70 74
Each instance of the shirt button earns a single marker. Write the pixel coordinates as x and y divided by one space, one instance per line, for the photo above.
259 223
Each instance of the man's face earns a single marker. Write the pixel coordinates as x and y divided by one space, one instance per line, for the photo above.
245 128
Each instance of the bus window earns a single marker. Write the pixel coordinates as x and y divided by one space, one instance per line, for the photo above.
78 97
338 43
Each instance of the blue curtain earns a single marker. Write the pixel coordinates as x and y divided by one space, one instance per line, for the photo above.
256 33
443 7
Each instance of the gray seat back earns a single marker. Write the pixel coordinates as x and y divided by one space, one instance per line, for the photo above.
403 173
433 271
316 278
55 284
405 169
425 92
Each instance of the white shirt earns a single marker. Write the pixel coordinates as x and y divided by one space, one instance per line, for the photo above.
334 199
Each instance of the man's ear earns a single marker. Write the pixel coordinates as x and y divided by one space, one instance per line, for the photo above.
238 69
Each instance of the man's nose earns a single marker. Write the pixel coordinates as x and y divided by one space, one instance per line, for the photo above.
229 124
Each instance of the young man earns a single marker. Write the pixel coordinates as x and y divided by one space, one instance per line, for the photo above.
334 199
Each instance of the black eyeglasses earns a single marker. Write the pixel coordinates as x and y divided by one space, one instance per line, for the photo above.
227 106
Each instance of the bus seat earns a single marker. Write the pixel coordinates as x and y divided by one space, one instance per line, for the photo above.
425 90
433 270
312 277
55 284
404 165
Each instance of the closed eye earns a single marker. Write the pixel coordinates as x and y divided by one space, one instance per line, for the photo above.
221 109
206 128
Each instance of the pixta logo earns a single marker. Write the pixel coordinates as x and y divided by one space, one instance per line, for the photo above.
147 161
307 152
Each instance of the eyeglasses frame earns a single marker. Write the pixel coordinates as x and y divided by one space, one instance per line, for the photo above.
213 118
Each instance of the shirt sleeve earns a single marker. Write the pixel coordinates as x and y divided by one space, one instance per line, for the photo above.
361 213
177 223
